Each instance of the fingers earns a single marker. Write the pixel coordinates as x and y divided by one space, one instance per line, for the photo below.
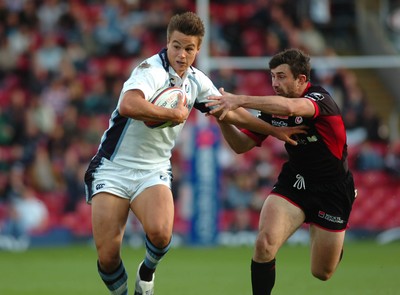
214 100
215 110
222 116
302 129
291 141
211 104
182 101
223 92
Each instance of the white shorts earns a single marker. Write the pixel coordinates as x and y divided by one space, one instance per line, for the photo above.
106 176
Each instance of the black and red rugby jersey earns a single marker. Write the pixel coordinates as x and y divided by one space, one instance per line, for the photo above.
321 154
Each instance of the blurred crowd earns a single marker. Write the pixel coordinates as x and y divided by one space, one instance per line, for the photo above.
62 65
391 21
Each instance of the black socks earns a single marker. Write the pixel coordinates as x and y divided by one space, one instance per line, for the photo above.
262 277
146 274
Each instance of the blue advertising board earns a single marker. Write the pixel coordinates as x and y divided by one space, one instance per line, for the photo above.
205 179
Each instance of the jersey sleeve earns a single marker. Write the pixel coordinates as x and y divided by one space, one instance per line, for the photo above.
257 137
323 103
316 107
145 79
206 88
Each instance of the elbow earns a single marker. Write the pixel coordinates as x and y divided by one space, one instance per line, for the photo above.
239 149
236 148
290 110
299 107
286 107
127 111
123 110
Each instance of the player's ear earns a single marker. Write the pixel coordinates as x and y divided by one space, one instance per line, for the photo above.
302 78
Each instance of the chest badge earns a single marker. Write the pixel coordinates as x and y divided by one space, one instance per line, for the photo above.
298 120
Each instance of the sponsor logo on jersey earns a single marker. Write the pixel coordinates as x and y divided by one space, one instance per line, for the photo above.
163 177
312 138
144 65
298 120
279 123
300 183
100 186
330 218
315 96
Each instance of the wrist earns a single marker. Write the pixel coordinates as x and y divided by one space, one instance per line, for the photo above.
274 131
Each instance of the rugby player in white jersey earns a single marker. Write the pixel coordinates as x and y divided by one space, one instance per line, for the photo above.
132 169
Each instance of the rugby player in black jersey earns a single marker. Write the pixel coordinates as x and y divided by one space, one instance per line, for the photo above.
315 185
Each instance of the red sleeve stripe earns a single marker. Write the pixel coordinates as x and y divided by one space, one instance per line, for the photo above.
258 138
316 108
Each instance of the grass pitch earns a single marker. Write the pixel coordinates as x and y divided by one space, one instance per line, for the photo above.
367 268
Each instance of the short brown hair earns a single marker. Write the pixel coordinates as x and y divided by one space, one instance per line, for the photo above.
187 23
298 61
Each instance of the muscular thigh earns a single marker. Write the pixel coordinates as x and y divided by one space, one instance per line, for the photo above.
326 248
279 219
154 207
109 216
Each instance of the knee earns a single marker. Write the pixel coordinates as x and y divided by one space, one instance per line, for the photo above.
322 274
265 248
109 261
159 238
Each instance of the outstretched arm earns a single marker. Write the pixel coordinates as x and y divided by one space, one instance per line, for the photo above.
271 104
237 140
244 119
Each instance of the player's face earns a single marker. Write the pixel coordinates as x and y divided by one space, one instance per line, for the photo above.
284 83
182 51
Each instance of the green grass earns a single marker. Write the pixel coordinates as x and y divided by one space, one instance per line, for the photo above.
367 269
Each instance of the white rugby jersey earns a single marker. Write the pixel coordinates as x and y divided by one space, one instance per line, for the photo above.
129 142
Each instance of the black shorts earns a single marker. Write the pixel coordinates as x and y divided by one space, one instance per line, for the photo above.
327 205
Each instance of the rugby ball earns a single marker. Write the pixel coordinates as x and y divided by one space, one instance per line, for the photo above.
166 98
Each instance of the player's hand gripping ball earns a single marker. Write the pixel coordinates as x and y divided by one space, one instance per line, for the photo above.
167 98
